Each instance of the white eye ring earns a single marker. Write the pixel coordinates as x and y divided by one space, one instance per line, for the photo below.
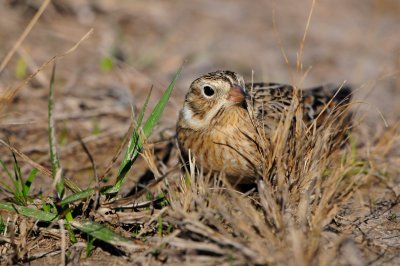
208 91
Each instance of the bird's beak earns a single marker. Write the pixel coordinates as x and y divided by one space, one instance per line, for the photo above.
236 94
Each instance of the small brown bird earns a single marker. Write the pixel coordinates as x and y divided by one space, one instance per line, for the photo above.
222 116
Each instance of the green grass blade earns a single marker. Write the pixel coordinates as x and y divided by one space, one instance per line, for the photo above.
134 138
89 245
55 162
46 207
29 212
69 218
78 196
132 150
102 233
17 169
21 68
141 113
17 176
159 108
28 183
136 141
19 196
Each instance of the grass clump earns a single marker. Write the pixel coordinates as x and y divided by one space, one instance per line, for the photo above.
60 209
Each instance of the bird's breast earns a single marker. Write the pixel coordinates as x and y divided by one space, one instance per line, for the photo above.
227 145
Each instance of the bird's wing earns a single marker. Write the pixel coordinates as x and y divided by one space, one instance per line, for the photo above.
323 101
270 100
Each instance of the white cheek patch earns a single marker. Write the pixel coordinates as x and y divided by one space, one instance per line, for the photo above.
191 121
187 113
196 123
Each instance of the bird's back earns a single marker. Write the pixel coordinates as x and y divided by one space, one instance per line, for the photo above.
270 101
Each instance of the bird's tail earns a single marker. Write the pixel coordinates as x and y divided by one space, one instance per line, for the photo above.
325 100
328 107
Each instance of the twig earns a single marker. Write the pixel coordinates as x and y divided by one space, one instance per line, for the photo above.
10 93
24 34
63 241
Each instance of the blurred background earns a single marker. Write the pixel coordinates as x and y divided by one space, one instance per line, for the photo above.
139 44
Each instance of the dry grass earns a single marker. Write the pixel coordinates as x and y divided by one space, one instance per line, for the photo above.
313 205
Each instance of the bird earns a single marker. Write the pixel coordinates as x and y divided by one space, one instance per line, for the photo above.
223 119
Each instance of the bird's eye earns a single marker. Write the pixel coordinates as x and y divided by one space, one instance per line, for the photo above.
208 91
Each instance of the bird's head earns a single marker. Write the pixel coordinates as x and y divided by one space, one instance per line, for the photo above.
210 95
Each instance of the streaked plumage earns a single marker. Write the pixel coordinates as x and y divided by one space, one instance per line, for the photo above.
222 117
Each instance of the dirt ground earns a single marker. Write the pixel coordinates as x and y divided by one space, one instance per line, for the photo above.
352 41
